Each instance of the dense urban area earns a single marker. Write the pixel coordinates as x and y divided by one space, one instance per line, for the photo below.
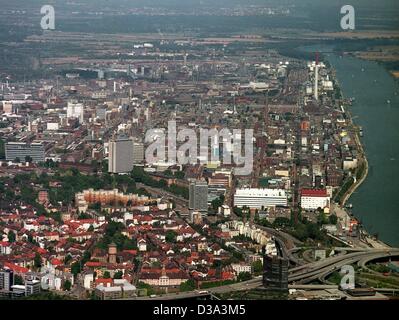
85 214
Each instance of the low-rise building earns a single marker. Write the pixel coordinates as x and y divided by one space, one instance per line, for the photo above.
314 199
120 288
241 267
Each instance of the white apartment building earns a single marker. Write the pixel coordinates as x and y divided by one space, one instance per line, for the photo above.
75 110
258 198
241 267
314 199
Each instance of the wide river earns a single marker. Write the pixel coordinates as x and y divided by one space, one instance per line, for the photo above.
376 109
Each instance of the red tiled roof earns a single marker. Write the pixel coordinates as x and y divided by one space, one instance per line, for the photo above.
133 252
50 233
12 216
314 193
211 272
227 275
93 264
103 281
55 262
221 234
194 255
82 221
16 268
144 218
41 250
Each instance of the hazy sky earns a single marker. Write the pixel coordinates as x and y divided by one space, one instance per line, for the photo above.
313 14
196 3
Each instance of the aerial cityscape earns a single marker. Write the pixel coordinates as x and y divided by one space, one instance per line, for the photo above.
199 150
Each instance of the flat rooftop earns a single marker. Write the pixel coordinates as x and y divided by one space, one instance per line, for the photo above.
256 192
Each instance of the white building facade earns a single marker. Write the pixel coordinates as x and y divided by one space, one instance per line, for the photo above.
75 110
258 198
314 199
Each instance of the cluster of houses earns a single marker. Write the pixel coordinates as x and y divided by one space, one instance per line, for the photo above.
167 253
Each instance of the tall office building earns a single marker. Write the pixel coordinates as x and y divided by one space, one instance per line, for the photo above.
275 272
6 279
21 150
198 196
138 153
75 110
120 159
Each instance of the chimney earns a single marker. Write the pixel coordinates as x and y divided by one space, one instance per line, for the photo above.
316 78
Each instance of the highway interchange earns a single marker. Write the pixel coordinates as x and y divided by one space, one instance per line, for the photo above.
299 277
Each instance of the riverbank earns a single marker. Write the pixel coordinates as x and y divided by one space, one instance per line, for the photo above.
386 56
345 216
376 110
363 161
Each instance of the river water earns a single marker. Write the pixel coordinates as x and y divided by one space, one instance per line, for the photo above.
376 201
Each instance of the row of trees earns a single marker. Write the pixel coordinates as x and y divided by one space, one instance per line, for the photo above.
176 174
218 202
305 229
139 175
72 182
77 266
190 285
117 275
27 194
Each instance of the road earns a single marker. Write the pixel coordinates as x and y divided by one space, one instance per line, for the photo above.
286 242
302 273
298 277
321 269
245 285
181 203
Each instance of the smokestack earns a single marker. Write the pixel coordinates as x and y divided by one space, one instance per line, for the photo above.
316 78
114 86
316 85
